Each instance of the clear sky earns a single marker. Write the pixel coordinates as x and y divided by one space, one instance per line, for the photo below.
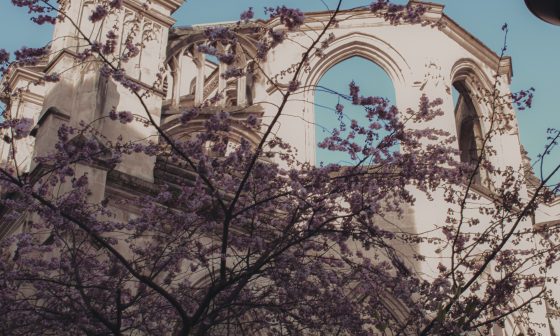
533 44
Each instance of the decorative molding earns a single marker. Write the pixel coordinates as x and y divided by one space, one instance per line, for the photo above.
172 5
25 73
477 48
64 52
211 84
32 97
50 111
163 19
548 225
434 14
120 181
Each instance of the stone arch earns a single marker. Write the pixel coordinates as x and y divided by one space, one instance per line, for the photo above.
251 79
233 89
468 71
179 131
197 37
363 45
470 110
353 44
372 80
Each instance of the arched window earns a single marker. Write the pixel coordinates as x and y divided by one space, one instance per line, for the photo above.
250 83
467 122
192 86
372 80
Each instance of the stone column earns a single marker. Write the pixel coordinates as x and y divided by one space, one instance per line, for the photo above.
200 60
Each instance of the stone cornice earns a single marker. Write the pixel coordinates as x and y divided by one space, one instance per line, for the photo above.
58 57
477 48
128 186
31 74
155 15
548 225
434 13
66 52
51 111
25 73
172 5
32 97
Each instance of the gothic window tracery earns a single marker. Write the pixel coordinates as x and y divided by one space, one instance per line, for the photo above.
211 81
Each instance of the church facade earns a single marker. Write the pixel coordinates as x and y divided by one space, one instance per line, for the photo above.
431 59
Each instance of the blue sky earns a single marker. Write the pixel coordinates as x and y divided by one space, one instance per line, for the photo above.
533 44
361 71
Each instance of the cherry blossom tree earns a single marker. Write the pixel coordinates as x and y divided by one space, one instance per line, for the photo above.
250 240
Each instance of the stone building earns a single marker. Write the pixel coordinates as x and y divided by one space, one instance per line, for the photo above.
431 59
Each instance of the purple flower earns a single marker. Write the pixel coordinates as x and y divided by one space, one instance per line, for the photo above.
4 56
216 98
105 71
30 56
188 115
54 77
395 14
228 58
277 36
125 117
22 127
113 115
131 50
262 50
252 120
98 14
209 50
117 4
220 33
109 47
247 15
42 19
233 73
292 18
354 93
293 85
119 75
339 108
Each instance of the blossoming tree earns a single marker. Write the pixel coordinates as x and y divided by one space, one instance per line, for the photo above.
247 239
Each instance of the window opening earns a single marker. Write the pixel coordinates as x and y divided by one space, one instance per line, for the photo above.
372 80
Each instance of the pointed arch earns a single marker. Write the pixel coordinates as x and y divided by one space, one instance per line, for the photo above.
472 85
363 45
372 80
350 45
